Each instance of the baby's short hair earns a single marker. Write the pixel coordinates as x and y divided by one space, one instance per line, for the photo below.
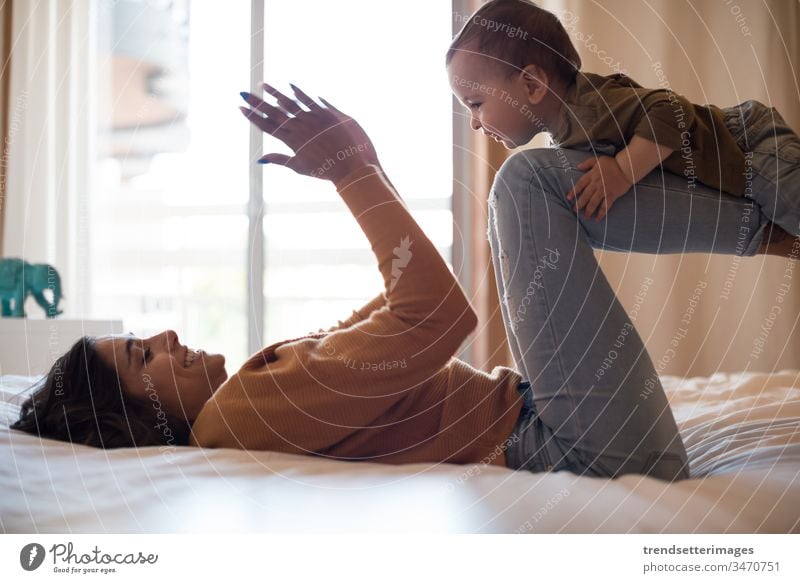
517 33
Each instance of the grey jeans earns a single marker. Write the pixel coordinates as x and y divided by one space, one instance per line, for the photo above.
594 404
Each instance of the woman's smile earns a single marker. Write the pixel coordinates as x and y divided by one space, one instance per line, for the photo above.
190 357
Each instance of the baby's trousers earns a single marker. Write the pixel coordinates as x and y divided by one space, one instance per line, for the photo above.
772 152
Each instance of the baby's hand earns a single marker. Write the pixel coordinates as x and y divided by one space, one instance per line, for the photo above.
599 187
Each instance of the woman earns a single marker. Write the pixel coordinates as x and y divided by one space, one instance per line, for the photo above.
383 385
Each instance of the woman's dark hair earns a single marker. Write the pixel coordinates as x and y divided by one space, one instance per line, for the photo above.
82 401
518 33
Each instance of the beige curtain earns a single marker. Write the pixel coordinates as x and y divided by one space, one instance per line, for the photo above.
746 315
5 74
51 103
475 165
476 160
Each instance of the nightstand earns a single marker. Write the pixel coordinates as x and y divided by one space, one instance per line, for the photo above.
30 346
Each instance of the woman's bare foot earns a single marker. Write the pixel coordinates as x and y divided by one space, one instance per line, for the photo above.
779 243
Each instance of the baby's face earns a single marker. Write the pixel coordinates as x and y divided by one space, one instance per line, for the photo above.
499 106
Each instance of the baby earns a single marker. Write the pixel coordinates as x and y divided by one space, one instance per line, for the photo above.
515 68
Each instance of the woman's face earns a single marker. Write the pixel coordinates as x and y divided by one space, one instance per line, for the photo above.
174 378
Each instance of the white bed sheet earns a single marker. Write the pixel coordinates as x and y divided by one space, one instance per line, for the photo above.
742 433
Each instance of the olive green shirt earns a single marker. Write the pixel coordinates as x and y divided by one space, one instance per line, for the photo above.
610 110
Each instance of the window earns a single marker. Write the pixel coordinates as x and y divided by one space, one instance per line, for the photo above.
384 65
169 224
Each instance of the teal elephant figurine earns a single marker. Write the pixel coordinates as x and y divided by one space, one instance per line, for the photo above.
19 278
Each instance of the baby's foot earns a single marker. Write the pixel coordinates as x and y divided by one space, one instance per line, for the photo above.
779 243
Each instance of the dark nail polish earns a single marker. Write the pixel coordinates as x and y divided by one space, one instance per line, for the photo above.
245 95
263 161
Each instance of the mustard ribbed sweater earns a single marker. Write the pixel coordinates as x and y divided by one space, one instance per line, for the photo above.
382 386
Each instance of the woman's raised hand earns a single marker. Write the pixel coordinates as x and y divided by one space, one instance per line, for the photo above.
327 143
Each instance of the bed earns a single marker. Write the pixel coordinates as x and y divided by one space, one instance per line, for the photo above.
742 433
